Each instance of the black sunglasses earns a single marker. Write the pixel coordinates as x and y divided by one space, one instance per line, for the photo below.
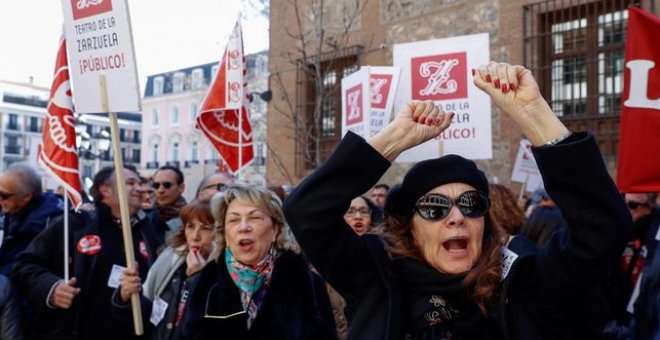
166 185
635 205
434 206
217 186
4 195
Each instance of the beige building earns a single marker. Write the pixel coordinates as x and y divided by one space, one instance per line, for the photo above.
170 105
574 47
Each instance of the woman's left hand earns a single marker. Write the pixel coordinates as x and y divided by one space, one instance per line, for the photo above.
515 91
194 261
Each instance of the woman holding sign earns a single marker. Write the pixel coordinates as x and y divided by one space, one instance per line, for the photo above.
440 269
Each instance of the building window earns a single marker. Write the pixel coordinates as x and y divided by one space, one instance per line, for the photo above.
12 145
159 83
154 117
214 71
194 153
136 156
328 119
197 78
35 124
260 155
178 81
136 136
193 112
577 53
175 152
12 123
174 115
154 153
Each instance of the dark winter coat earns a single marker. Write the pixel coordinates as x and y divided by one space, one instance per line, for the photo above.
11 322
646 317
295 306
41 266
19 229
542 297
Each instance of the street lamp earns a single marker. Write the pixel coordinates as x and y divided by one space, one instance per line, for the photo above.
265 96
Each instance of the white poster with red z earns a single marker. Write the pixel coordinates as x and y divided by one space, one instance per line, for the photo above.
440 70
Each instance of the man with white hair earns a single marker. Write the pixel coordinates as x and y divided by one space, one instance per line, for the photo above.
26 211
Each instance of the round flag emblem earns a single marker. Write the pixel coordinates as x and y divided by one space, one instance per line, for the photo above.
89 245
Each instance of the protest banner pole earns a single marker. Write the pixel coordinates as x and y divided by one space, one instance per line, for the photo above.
66 237
123 202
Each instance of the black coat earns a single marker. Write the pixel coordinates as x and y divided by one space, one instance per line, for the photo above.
41 266
545 293
20 228
295 306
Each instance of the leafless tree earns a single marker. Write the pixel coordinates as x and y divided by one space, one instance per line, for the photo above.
321 30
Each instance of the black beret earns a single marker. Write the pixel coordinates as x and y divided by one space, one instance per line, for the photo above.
428 174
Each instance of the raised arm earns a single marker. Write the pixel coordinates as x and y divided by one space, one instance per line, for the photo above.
316 207
573 174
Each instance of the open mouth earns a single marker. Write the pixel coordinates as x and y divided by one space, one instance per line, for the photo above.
456 244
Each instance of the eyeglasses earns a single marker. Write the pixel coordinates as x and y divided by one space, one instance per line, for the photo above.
354 212
5 196
434 206
166 185
634 205
221 317
217 186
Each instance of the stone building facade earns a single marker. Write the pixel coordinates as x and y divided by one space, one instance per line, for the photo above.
574 48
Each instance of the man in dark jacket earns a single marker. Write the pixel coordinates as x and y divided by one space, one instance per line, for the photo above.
80 308
26 209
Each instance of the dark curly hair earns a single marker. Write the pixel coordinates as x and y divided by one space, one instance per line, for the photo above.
483 280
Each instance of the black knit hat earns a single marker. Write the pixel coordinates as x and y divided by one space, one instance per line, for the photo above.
429 174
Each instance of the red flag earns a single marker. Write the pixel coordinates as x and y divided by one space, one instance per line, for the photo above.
639 139
59 154
224 117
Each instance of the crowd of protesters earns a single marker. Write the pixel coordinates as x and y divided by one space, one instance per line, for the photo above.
442 255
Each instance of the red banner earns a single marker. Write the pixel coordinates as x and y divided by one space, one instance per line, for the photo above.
58 153
639 139
224 116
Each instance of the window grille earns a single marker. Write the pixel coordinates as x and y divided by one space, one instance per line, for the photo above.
575 48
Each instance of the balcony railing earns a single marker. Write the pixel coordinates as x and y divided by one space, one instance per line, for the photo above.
152 165
13 150
188 164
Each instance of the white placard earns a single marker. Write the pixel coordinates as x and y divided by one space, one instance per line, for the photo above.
383 82
440 70
99 42
115 275
525 169
356 104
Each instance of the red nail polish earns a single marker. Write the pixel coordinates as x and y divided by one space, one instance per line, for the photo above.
497 83
473 72
513 87
505 88
488 79
415 119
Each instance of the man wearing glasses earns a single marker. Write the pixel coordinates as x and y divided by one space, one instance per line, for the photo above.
640 246
212 184
26 211
169 186
80 306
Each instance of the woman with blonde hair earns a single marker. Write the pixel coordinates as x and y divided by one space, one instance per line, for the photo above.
256 287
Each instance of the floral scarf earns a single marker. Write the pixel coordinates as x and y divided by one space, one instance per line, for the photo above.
251 281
